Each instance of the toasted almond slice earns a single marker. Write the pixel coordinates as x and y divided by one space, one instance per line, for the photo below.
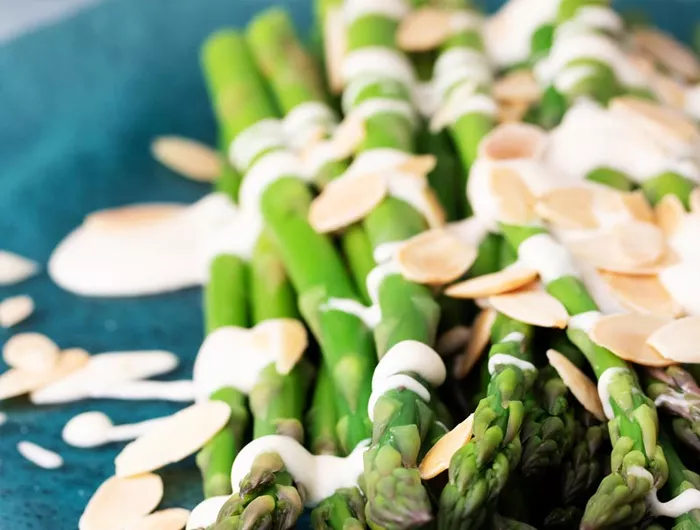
420 165
287 340
643 294
128 217
669 213
673 55
512 112
508 279
602 252
335 47
625 335
516 202
695 201
189 158
519 86
120 502
669 91
638 206
345 201
639 244
579 383
15 309
453 341
433 211
31 352
568 208
513 141
424 29
170 519
434 257
438 458
348 136
678 340
14 268
173 439
532 307
480 337
663 119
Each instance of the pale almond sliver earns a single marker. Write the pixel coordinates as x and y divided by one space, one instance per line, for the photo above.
173 439
643 294
663 119
695 201
626 334
15 268
433 211
519 86
480 337
424 29
420 165
678 341
189 158
669 213
31 352
287 340
169 519
579 383
537 308
639 244
348 136
568 208
513 141
602 252
437 460
673 55
434 257
503 281
335 47
346 201
515 201
120 502
15 309
129 217
638 206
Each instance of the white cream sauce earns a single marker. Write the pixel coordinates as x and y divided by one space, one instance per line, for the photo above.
39 456
502 359
378 61
548 257
585 321
92 429
395 382
391 9
603 389
205 513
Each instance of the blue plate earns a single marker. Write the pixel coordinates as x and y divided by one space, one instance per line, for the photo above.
79 105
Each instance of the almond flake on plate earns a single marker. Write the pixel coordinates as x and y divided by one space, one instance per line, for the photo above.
537 308
335 47
438 458
133 216
480 337
579 383
678 340
348 136
643 294
31 352
669 213
168 519
506 280
420 165
568 208
424 29
519 87
189 158
639 244
15 309
39 456
14 268
515 201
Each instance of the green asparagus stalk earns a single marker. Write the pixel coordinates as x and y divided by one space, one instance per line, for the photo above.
344 510
680 479
322 417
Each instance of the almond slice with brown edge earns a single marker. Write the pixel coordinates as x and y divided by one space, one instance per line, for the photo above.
169 519
568 208
583 389
286 338
348 136
480 338
14 268
673 55
434 257
129 217
669 91
519 86
346 201
15 309
669 213
678 341
438 458
515 201
625 335
31 352
638 206
335 47
695 200
503 281
661 119
424 29
189 158
639 244
421 165
643 294
603 252
120 502
173 439
433 211
513 141
537 308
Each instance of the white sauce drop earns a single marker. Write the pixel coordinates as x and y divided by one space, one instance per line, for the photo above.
378 61
395 382
391 9
255 140
39 456
501 359
205 513
370 316
513 336
472 230
585 321
547 256
603 389
304 120
374 106
92 429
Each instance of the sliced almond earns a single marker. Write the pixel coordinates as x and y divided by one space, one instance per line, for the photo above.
424 29
643 294
512 112
603 252
335 47
673 55
286 339
585 390
170 519
508 279
128 217
480 338
669 213
434 257
31 352
516 202
120 502
189 158
639 244
537 308
438 458
15 310
432 210
695 201
568 208
638 206
513 141
173 439
453 341
678 340
346 201
625 335
421 165
14 268
15 382
348 136
519 86
669 91
665 120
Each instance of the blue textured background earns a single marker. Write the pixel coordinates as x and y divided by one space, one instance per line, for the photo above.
79 105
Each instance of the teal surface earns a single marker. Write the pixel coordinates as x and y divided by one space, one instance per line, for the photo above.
79 105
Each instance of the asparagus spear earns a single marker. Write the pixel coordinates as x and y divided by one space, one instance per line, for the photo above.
322 417
344 510
680 479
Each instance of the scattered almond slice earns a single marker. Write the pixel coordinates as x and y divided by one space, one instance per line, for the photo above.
519 86
669 213
638 206
31 352
453 341
516 202
120 502
39 456
537 308
503 281
639 244
421 165
438 458
432 210
512 112
669 91
348 136
335 47
15 310
695 201
285 338
603 252
189 158
169 519
480 337
579 383
664 120
424 29
643 294
14 268
434 257
129 217
568 208
678 340
673 55
346 201
625 335
173 439
513 141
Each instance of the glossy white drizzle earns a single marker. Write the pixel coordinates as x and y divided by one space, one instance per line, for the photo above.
39 456
501 359
92 429
378 61
548 257
304 120
585 321
513 336
264 172
374 106
604 382
256 139
593 17
395 382
206 512
567 79
685 502
320 475
458 65
391 9
371 316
